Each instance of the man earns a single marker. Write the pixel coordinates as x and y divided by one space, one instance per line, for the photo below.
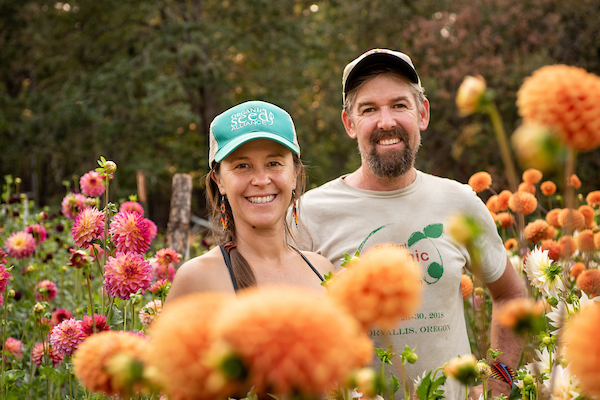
388 202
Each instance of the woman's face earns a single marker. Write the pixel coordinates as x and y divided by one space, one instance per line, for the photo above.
258 179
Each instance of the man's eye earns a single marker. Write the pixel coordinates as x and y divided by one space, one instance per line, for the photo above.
400 105
368 110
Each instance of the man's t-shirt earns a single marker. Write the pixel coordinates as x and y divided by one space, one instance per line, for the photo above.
337 218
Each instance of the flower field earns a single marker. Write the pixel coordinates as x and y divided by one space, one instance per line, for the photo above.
82 288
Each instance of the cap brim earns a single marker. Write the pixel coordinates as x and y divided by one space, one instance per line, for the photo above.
238 141
375 60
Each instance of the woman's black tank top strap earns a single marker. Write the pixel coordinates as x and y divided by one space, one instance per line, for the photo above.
309 264
227 259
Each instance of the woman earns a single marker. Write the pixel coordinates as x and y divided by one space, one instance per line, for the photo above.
256 174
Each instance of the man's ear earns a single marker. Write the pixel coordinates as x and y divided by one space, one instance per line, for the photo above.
424 116
215 177
348 124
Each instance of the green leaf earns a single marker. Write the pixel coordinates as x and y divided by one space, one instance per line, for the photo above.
434 231
117 316
327 278
394 384
415 237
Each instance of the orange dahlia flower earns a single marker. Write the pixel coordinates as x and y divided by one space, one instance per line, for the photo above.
492 204
523 203
583 348
521 315
536 231
574 181
532 176
503 198
597 240
585 240
551 232
291 342
552 217
589 282
526 187
480 181
511 244
504 219
548 188
576 270
593 198
568 246
380 290
108 362
181 339
466 286
554 249
571 220
588 214
566 98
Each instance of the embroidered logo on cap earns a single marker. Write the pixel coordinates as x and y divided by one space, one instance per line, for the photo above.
252 116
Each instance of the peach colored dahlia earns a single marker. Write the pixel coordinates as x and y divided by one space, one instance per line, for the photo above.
132 206
597 240
589 282
532 176
20 245
574 181
566 98
536 231
526 187
585 240
583 348
125 274
380 289
554 249
45 290
88 225
568 246
522 203
96 363
503 198
466 286
511 244
593 198
576 270
552 217
92 184
14 346
521 315
181 339
67 336
72 205
588 214
41 349
129 232
548 188
572 220
504 220
150 312
492 204
293 343
480 181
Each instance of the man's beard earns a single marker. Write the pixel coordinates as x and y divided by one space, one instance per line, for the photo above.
391 164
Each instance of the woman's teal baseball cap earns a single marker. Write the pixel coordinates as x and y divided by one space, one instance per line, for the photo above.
248 121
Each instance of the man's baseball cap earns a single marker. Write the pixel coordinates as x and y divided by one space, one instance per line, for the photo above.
376 58
248 121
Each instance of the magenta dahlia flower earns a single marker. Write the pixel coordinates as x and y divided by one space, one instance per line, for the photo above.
160 271
1 300
14 346
41 349
4 277
126 273
45 290
88 225
38 232
152 229
2 256
60 315
167 256
72 205
66 336
78 259
129 232
132 206
92 184
20 245
99 320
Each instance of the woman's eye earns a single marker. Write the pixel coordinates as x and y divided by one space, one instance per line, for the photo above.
274 164
241 166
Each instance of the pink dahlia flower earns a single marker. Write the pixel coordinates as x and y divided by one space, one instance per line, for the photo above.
100 322
161 288
167 256
2 256
60 315
45 290
151 228
14 346
129 232
88 225
78 259
4 277
72 205
41 349
20 245
38 232
1 300
92 184
66 336
132 206
150 312
126 273
160 271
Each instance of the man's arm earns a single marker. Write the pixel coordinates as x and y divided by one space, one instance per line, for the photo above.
509 286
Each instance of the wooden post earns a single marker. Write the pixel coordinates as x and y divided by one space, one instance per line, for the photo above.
179 217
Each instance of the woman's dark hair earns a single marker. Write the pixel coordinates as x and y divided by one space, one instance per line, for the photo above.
242 271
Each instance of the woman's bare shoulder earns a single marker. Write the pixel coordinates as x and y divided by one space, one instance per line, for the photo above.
322 264
204 273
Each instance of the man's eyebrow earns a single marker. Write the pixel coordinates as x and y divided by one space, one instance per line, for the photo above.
395 99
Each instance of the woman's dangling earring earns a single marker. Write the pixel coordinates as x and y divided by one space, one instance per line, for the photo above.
295 207
224 218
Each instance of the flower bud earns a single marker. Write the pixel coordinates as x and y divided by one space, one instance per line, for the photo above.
483 370
38 308
479 291
528 380
470 94
110 167
536 146
11 293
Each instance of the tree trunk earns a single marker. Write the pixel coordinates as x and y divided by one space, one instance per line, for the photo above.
179 217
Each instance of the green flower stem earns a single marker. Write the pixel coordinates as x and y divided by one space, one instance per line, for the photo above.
132 316
466 392
4 322
404 385
89 285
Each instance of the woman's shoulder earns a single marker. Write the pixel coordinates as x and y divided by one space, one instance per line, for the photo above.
204 273
322 264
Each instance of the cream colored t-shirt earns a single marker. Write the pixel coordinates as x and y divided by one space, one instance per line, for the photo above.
337 218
